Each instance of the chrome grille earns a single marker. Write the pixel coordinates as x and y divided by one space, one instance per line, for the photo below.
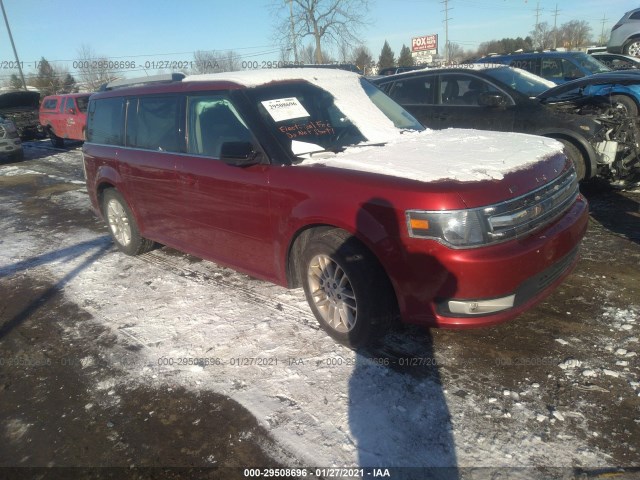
532 211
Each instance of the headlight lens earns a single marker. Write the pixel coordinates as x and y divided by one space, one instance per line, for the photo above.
458 228
500 222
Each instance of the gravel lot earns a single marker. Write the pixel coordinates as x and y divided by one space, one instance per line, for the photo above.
165 360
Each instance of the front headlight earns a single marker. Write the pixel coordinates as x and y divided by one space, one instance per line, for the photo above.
458 228
499 222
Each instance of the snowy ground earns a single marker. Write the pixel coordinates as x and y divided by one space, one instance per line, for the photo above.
557 387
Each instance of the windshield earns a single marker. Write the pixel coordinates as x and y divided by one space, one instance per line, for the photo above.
524 82
590 63
82 102
305 118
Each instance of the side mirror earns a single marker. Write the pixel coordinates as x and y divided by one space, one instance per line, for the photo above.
239 154
492 99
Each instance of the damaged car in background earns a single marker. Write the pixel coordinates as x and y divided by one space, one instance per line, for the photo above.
22 108
598 133
617 140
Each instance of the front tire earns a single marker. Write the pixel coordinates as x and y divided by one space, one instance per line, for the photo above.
628 103
346 288
576 158
122 224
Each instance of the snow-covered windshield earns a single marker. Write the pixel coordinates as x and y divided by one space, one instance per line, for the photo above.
306 118
520 80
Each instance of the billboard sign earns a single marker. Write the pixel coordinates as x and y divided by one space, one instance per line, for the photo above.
424 43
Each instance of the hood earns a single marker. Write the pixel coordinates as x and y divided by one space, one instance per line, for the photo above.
438 155
19 99
628 77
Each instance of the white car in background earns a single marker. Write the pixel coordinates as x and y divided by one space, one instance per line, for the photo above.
10 143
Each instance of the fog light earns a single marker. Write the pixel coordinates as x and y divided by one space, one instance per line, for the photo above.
478 307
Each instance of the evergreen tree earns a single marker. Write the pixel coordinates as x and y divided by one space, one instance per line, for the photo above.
363 59
69 84
387 58
46 79
15 82
405 59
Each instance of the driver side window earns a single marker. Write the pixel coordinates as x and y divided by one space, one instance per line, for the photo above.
213 120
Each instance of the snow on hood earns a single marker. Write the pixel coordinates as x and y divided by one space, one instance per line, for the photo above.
453 154
348 94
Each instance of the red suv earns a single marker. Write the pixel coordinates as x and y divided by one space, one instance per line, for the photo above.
315 178
64 117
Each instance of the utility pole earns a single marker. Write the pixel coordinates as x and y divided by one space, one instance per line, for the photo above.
446 29
535 29
555 27
15 52
602 37
293 34
538 10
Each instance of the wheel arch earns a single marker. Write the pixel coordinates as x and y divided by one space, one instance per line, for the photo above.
300 239
583 146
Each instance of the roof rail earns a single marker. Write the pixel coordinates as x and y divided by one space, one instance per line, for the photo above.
130 82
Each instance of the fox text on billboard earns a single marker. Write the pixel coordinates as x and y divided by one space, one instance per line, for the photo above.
426 42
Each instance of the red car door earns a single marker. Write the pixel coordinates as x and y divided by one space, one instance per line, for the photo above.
148 165
226 207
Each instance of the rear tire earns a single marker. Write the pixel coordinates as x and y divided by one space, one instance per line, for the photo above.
574 154
346 288
122 224
632 48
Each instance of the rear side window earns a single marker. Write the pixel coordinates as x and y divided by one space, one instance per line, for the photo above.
105 121
528 64
153 123
413 91
70 104
50 104
83 103
559 69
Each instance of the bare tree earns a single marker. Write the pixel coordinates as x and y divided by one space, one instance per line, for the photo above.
212 61
231 61
205 62
307 54
456 53
328 22
346 52
93 69
575 33
542 36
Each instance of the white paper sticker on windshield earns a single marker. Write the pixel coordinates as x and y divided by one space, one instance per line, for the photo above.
285 109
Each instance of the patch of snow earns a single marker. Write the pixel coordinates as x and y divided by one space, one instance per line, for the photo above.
420 155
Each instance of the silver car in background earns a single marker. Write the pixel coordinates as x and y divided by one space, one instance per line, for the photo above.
625 35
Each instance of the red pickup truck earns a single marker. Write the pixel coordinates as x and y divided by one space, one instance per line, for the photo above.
64 117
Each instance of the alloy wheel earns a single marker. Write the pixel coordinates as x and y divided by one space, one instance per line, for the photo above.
332 293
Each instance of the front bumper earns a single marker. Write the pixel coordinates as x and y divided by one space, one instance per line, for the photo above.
503 280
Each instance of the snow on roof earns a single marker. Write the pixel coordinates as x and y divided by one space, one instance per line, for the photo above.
452 154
